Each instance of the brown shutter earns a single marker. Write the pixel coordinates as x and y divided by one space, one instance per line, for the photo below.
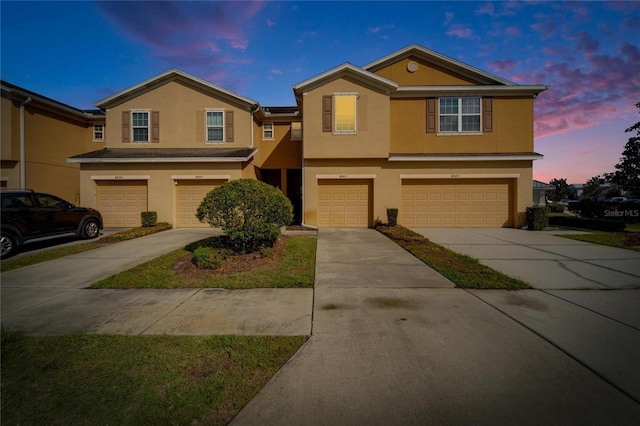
126 131
327 113
487 114
431 115
228 126
155 126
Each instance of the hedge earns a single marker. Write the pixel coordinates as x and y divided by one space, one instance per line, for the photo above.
595 224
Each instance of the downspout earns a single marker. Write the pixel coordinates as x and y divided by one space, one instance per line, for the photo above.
22 145
253 112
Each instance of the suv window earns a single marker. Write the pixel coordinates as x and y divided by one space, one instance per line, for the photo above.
50 201
16 201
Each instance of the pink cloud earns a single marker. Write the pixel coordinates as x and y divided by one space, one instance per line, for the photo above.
513 31
460 31
190 35
502 66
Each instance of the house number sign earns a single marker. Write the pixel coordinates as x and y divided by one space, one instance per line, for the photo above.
455 176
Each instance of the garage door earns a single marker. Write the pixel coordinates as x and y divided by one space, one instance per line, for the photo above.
456 203
344 203
189 195
121 202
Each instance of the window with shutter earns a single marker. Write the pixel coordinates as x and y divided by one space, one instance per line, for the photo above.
327 113
228 126
126 130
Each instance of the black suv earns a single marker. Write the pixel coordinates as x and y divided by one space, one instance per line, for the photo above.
27 215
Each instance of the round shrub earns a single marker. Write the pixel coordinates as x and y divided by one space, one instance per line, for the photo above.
248 211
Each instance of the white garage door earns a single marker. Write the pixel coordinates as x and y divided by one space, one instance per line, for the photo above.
456 203
121 202
344 203
189 195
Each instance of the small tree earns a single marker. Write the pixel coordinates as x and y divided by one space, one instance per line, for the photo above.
562 189
250 212
593 188
627 173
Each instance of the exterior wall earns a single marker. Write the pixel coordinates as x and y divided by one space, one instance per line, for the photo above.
280 152
387 183
49 139
160 182
182 118
512 129
426 75
372 124
10 143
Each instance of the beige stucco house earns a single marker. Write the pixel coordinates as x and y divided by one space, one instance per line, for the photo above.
37 135
445 143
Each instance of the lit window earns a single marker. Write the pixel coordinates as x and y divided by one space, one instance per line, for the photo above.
296 130
140 126
267 130
98 132
215 126
345 113
460 115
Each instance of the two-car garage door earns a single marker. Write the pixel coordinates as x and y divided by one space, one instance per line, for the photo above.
456 203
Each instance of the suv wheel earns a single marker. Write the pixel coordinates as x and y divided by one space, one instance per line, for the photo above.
8 245
90 229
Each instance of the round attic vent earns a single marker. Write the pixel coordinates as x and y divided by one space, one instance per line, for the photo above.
412 66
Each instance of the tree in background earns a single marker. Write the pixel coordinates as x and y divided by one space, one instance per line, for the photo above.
562 190
593 188
627 173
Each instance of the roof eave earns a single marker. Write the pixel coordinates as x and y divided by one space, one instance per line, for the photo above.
345 69
466 157
496 90
167 76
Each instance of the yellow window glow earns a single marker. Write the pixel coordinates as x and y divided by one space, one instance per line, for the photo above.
345 113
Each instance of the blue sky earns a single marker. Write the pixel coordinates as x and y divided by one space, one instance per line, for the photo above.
587 52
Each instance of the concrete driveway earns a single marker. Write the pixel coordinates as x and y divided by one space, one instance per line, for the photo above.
543 259
395 344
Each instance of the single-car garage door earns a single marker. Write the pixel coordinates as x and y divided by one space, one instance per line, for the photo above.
121 202
189 195
456 203
344 203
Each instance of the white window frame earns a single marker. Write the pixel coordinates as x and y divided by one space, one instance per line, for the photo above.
296 137
101 131
148 126
459 116
355 114
206 126
267 127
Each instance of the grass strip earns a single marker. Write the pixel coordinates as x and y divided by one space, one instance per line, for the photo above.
613 239
108 379
462 270
296 269
57 252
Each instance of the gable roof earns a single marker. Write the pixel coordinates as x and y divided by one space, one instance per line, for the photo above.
174 75
440 60
345 70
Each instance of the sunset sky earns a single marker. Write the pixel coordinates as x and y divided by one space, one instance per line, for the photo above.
588 53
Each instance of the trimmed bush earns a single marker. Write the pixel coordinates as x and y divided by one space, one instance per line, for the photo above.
587 223
207 257
148 218
537 218
392 217
556 208
248 211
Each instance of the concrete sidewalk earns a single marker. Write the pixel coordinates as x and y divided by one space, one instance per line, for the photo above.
389 348
50 297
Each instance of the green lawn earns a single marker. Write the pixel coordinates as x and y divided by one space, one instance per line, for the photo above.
629 239
294 269
463 271
135 380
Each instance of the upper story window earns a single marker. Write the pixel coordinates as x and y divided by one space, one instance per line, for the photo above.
345 113
459 115
296 130
140 126
267 130
98 132
215 126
